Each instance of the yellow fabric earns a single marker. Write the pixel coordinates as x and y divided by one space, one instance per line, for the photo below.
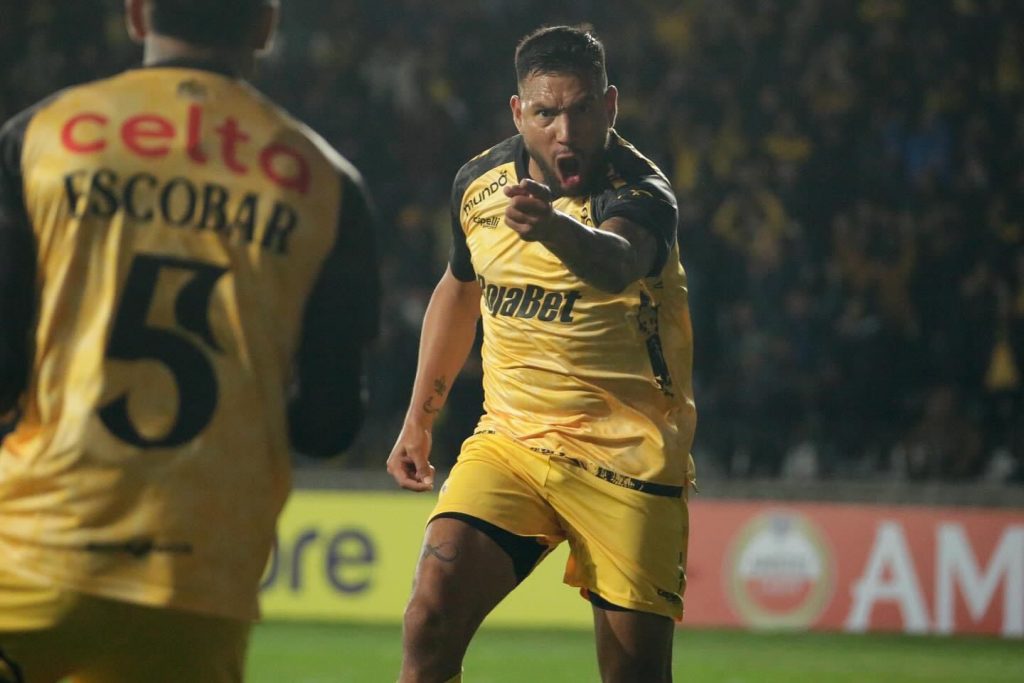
51 634
183 206
628 546
570 368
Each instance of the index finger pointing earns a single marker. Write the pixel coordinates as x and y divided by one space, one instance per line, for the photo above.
538 190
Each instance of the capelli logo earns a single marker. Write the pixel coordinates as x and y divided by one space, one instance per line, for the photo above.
487 221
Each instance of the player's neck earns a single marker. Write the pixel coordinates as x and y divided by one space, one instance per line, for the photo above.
159 49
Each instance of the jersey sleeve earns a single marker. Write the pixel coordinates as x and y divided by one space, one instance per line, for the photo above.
459 257
650 203
17 267
341 318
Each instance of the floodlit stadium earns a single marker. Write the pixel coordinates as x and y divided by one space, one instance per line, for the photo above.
850 186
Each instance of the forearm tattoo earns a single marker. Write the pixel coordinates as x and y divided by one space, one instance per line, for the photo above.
440 387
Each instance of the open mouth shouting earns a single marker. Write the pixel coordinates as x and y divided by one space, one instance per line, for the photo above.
570 172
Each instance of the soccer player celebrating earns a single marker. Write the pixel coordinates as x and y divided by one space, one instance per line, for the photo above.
187 280
565 242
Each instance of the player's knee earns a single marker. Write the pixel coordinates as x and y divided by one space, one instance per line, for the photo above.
430 609
432 647
423 621
436 628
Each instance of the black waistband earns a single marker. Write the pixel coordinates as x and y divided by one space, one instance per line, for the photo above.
610 476
626 481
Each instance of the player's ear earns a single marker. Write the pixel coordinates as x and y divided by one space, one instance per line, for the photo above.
266 26
135 19
516 105
611 104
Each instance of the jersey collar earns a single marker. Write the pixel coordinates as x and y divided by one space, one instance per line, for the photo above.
198 64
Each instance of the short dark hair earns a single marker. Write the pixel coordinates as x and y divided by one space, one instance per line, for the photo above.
209 23
561 50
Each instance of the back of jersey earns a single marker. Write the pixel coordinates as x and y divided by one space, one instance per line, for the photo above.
181 222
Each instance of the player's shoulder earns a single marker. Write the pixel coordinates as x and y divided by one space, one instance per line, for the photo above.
15 128
12 131
505 152
628 168
15 125
345 169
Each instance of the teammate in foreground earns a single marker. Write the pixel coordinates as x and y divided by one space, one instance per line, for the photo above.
565 242
177 257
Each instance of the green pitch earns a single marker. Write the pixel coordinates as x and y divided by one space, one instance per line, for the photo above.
350 653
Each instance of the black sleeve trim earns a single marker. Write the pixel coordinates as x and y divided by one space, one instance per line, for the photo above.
506 151
650 206
17 266
341 317
459 257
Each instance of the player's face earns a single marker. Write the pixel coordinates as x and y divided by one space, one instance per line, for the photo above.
564 120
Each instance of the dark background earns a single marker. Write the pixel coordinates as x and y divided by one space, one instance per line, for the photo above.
850 176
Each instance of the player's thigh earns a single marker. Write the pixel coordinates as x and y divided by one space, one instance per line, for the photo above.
489 513
462 573
627 545
501 482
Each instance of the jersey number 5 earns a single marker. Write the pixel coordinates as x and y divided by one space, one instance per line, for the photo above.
134 339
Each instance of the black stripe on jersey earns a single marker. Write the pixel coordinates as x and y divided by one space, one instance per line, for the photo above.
17 264
647 319
140 547
502 153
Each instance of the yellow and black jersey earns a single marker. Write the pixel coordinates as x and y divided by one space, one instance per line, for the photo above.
179 257
602 379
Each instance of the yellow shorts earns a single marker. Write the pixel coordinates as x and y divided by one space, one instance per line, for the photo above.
48 634
626 545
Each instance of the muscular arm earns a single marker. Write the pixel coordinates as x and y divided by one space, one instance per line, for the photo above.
609 258
449 328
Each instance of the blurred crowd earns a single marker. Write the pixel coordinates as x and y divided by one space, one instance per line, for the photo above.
850 177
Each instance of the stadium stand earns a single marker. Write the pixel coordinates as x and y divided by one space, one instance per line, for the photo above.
851 178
